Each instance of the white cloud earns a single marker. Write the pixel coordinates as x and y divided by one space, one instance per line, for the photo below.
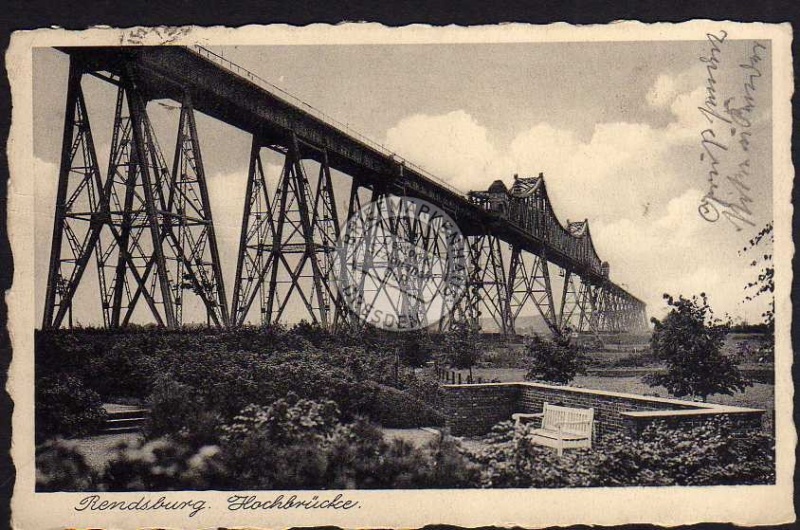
663 91
622 170
676 253
452 146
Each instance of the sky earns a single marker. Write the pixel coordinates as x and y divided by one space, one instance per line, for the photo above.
615 128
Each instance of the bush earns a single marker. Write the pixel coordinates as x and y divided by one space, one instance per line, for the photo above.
125 365
60 467
116 364
689 344
461 346
512 461
414 350
378 365
279 447
760 350
212 387
161 464
704 455
426 390
449 467
178 411
301 444
65 407
125 370
553 362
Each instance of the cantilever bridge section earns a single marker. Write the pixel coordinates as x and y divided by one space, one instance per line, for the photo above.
148 224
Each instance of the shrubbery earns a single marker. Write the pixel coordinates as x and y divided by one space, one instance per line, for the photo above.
292 444
555 361
156 465
709 454
194 381
275 408
460 348
415 350
689 342
60 467
66 407
192 398
178 411
301 444
160 465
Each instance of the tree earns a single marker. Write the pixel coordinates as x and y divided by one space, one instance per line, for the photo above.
556 361
689 343
461 346
414 350
764 284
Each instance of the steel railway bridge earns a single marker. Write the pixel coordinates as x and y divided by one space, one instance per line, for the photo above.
148 225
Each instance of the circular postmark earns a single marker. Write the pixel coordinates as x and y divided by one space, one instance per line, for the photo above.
400 263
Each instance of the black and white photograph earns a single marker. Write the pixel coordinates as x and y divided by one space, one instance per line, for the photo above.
293 277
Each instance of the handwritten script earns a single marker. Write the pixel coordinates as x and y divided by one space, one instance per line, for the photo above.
95 503
159 35
191 507
291 502
726 141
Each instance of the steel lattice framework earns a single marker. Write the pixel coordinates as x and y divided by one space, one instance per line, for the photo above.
151 231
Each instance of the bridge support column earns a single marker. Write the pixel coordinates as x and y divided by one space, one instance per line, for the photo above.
573 311
134 184
77 201
533 284
486 285
288 241
255 242
587 320
632 316
198 261
183 255
599 309
346 314
162 231
614 312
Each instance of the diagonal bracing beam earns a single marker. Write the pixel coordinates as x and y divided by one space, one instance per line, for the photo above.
77 216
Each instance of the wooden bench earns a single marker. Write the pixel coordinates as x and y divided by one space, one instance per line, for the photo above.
561 428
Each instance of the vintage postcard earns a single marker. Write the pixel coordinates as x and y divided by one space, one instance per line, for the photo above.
372 277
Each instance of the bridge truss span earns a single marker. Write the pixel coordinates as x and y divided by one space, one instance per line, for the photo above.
148 224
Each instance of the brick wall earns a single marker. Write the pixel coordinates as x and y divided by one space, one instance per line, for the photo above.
472 410
607 405
743 420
